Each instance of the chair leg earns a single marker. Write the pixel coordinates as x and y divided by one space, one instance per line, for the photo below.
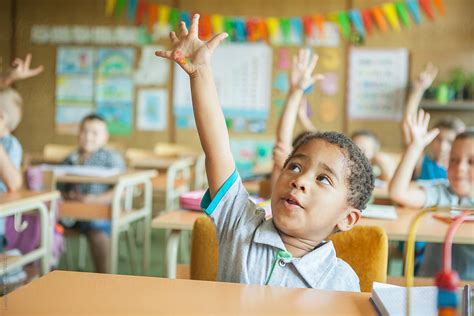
113 259
146 243
132 249
69 254
172 253
81 263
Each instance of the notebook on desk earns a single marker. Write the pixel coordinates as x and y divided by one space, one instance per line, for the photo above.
392 300
380 212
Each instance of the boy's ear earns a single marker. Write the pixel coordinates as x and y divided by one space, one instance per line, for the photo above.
351 217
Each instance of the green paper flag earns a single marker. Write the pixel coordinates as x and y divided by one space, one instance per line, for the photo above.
229 28
344 23
174 18
285 29
402 13
119 7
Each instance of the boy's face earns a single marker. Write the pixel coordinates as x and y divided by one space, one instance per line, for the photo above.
461 167
441 145
93 136
309 197
367 145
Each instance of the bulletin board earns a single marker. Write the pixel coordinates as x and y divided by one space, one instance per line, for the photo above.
40 94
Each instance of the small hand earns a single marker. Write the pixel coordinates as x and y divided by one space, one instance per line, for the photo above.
417 128
426 77
302 68
280 154
188 50
21 69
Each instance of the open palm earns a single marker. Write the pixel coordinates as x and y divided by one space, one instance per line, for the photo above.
188 50
301 74
417 127
426 77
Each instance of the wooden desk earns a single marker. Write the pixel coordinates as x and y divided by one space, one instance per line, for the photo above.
120 212
16 203
79 293
176 221
429 229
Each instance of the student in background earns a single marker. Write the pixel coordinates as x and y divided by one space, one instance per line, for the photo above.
295 107
93 137
324 184
458 192
382 166
431 166
10 116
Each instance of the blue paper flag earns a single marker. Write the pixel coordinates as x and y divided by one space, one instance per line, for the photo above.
185 17
239 27
297 30
281 82
131 9
414 10
356 19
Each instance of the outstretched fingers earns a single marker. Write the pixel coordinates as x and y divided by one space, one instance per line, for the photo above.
215 41
193 28
164 54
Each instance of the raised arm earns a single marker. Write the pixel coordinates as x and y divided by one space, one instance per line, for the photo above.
422 82
194 56
9 173
303 116
401 189
21 70
301 77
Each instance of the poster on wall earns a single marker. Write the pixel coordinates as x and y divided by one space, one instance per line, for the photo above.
243 85
68 118
251 155
152 70
152 114
377 83
115 61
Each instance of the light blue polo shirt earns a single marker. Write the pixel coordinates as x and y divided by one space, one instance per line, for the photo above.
251 250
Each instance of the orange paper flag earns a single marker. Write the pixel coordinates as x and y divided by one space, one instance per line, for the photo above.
319 21
439 5
378 18
152 16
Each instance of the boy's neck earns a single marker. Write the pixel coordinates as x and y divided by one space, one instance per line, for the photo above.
298 247
4 132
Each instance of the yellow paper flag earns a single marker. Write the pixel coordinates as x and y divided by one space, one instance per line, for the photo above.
217 22
272 26
391 13
163 14
110 7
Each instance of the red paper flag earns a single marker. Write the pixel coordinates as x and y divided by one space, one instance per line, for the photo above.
141 8
308 26
205 27
251 29
367 19
425 5
439 5
378 17
152 16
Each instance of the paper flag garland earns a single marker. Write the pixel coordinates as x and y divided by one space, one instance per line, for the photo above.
391 14
285 29
152 16
356 19
379 20
140 12
425 5
186 18
119 7
319 21
414 10
163 14
131 9
109 7
344 23
402 13
439 5
367 20
297 30
217 22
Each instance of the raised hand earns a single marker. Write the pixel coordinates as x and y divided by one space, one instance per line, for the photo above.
188 50
21 69
417 129
303 65
426 77
280 154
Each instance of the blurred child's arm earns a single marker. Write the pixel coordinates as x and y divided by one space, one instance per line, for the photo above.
422 82
401 189
386 165
303 116
21 70
9 173
301 77
194 56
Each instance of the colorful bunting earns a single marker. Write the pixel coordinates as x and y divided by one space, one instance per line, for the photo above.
131 9
425 5
402 13
414 10
281 30
344 23
439 5
109 7
356 19
367 20
379 20
391 14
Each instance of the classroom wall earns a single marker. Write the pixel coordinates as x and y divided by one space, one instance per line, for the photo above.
447 42
5 33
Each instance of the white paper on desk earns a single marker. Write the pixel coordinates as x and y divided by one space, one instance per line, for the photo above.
86 171
380 212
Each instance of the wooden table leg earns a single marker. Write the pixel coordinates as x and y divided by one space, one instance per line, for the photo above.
172 253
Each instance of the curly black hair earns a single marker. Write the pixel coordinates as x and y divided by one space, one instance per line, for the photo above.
359 176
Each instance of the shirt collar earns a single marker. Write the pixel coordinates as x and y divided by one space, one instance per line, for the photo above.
313 266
